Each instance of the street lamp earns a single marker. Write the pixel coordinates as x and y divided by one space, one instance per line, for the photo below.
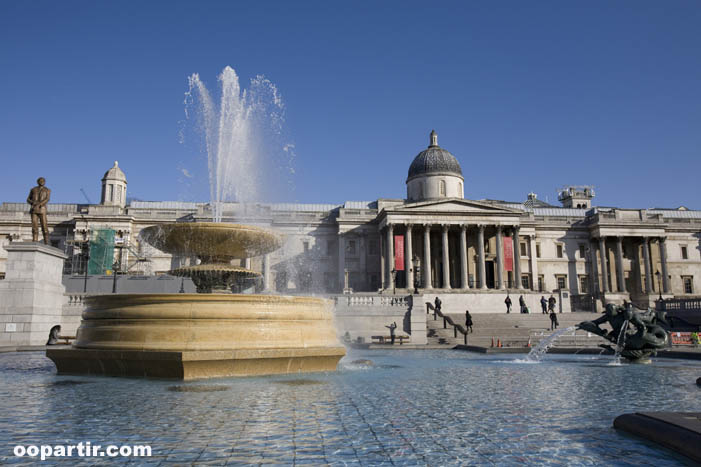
416 262
86 254
659 282
117 267
394 281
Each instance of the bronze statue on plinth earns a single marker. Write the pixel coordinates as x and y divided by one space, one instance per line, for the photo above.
39 198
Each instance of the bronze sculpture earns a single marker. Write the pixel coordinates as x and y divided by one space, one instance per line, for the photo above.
39 198
643 336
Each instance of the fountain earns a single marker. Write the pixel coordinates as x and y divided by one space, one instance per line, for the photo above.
637 334
212 333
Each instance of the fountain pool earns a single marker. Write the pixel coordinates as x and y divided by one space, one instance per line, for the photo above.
436 407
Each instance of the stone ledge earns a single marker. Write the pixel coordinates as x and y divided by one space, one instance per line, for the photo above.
188 365
678 431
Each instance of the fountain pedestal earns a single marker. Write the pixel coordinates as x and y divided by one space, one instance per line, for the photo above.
191 336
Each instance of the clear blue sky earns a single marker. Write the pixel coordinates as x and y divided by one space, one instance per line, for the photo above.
529 96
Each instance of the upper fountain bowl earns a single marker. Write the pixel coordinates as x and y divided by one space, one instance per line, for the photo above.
212 240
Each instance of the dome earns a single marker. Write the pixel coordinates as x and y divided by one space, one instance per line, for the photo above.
115 173
436 160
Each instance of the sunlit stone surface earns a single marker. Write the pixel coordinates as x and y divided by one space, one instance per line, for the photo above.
409 408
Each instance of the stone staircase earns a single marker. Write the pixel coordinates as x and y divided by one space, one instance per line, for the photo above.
513 330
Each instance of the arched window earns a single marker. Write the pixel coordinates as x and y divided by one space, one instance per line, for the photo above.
459 188
441 187
110 192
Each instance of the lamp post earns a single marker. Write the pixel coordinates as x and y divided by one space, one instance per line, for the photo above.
394 281
416 262
659 283
86 250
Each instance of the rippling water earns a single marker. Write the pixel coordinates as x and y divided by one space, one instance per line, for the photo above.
409 408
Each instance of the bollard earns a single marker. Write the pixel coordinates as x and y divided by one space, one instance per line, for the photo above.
465 336
492 342
445 325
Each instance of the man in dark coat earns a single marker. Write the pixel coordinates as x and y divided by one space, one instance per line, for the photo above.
508 304
392 327
522 304
468 320
553 320
544 304
551 303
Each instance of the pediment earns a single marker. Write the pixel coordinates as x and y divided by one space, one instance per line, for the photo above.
455 206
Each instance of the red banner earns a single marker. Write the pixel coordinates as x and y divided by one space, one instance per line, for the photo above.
508 254
399 252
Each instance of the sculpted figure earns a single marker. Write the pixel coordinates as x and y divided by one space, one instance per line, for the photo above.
39 198
644 333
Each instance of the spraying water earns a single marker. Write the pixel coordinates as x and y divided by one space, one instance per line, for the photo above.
243 137
537 352
620 343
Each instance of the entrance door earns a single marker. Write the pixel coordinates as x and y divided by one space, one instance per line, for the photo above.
489 270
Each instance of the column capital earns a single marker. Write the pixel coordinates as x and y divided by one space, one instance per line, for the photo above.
662 239
390 227
463 227
481 227
445 227
409 226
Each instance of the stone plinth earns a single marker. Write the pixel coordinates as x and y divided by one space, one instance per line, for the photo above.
32 295
190 336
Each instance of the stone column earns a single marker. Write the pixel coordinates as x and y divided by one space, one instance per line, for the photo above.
382 262
464 276
648 269
446 258
427 257
604 268
619 265
594 273
341 261
517 257
247 263
663 264
500 259
266 272
390 256
533 263
480 257
408 255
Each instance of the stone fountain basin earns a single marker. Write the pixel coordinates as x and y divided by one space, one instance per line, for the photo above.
212 240
190 336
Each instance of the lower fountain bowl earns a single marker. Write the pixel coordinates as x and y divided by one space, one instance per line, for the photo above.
192 336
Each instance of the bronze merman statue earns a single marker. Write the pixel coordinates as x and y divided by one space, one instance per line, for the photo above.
39 198
644 334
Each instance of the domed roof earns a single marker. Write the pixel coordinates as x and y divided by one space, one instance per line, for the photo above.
115 173
433 160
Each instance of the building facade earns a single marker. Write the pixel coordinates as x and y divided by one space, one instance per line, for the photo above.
434 240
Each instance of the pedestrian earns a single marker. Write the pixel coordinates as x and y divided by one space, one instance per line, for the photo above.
522 304
508 304
468 321
438 304
392 327
551 303
544 304
553 320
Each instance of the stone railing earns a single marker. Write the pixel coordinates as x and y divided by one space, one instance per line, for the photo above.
75 299
371 300
680 304
447 320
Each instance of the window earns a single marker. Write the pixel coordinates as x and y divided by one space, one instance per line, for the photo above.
524 250
459 188
306 246
537 252
119 193
561 281
351 248
541 285
688 284
583 284
110 191
441 187
582 250
525 281
685 252
372 247
559 251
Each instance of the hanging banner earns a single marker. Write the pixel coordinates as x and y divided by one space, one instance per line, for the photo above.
508 254
399 252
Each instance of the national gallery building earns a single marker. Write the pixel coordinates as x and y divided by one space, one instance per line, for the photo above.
434 240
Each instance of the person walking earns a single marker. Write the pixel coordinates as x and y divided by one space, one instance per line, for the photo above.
551 303
437 304
553 320
522 304
544 304
508 304
468 321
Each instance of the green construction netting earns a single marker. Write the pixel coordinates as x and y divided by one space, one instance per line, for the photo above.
101 252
